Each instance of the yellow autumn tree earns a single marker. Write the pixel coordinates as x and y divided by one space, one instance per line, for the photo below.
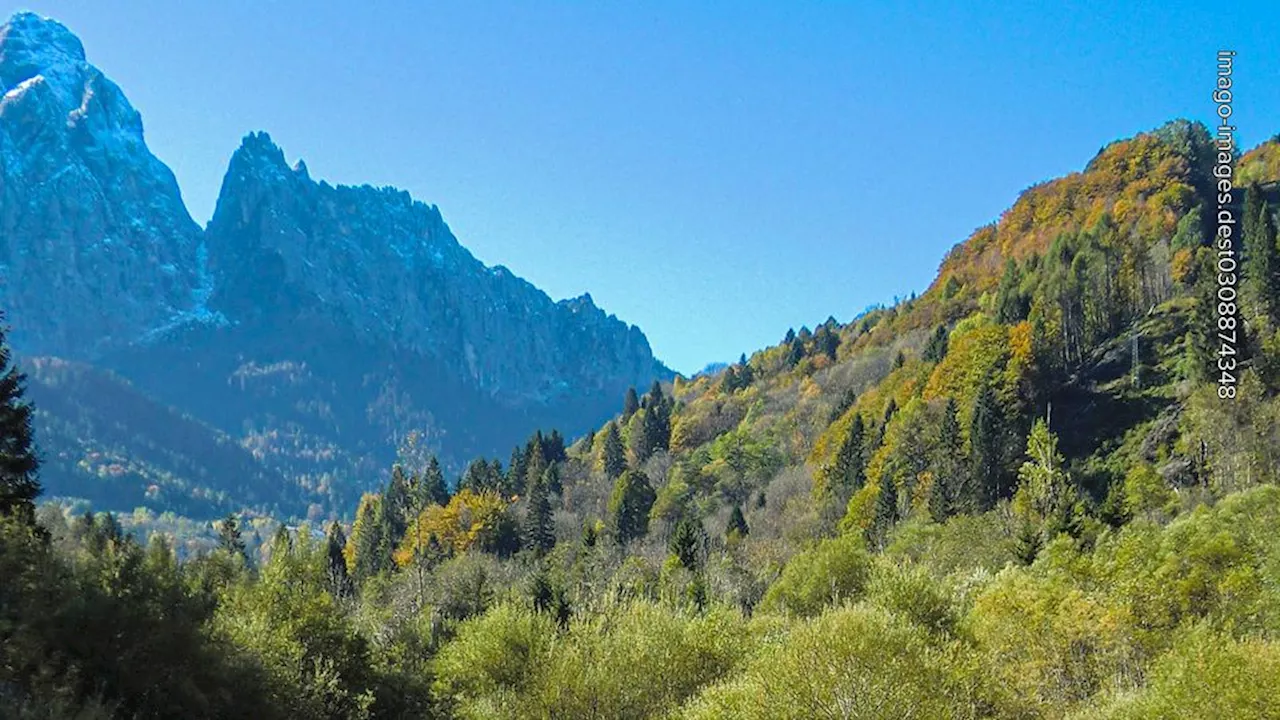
466 520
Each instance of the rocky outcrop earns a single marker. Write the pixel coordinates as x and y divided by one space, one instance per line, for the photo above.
387 266
96 247
313 324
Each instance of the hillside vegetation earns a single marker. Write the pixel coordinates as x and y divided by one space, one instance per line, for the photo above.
1017 495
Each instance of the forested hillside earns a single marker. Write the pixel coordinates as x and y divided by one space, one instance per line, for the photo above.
1017 495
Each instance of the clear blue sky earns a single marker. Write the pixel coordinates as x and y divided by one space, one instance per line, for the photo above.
714 173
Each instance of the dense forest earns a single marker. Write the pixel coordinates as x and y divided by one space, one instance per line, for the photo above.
1017 495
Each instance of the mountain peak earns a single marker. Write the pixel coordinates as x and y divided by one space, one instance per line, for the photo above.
31 45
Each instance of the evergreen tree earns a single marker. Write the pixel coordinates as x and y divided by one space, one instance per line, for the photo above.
826 342
731 380
886 512
19 485
1261 287
936 348
535 466
629 506
1012 306
339 578
655 432
796 352
229 536
899 360
949 466
847 399
613 456
554 450
554 484
847 473
746 375
737 525
539 529
397 506
368 552
434 490
517 471
540 591
630 404
889 411
986 451
688 541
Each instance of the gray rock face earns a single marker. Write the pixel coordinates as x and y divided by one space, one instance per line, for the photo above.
388 267
314 325
96 247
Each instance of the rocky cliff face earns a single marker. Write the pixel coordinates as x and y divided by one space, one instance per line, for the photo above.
282 244
96 247
313 324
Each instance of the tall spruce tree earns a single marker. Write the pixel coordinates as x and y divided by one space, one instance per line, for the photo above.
629 506
936 348
435 491
847 473
885 512
688 542
539 528
1261 259
339 578
613 456
368 552
397 506
630 404
949 466
986 451
230 538
19 484
534 466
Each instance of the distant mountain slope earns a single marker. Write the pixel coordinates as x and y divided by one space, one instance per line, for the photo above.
315 325
104 441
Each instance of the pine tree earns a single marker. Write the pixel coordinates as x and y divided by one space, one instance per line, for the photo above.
630 404
554 449
629 506
796 352
737 525
539 529
535 466
19 485
936 349
397 506
368 552
554 484
434 489
613 456
886 512
514 481
847 473
949 466
229 536
687 542
1011 305
826 342
746 375
339 579
1261 287
986 451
